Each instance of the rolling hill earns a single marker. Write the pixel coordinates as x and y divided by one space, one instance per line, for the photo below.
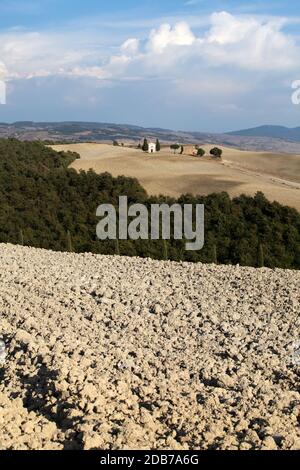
274 132
265 138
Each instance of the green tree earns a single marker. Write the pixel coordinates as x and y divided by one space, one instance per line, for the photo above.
157 145
69 242
115 143
200 152
21 237
181 149
216 152
117 247
260 256
165 250
174 147
145 146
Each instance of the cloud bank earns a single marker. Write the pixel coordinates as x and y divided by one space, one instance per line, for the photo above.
247 43
236 66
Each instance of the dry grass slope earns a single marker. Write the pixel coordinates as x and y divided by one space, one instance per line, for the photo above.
276 175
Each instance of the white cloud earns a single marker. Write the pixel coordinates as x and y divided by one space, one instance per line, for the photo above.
131 46
175 51
179 35
249 43
33 54
226 29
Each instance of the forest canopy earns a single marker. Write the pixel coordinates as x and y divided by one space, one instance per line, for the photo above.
43 203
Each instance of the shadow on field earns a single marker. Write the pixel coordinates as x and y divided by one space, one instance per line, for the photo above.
43 398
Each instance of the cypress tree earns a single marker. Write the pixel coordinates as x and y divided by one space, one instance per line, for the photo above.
157 145
69 242
21 237
260 256
117 247
165 250
145 146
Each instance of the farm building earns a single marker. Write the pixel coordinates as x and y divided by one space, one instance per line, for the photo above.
151 147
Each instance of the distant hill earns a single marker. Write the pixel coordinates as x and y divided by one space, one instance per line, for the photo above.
275 139
277 132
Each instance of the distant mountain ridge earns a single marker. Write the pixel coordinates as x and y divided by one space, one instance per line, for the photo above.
278 139
277 132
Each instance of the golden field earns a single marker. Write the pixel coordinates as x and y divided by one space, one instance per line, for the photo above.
276 175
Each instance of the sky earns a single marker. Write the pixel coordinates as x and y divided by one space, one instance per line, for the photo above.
212 66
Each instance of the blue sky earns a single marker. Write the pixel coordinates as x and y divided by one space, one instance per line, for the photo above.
183 64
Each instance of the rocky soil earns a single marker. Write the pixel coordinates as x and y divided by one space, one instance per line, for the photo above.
124 353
